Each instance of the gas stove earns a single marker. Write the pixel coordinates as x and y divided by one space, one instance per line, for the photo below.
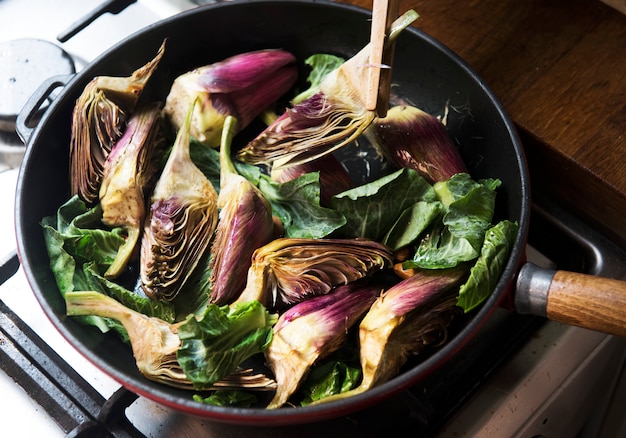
524 376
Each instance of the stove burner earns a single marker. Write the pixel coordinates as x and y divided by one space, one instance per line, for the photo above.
24 65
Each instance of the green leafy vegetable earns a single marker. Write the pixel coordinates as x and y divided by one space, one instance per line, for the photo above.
321 64
240 399
372 209
80 251
485 273
297 204
468 211
213 346
411 224
330 378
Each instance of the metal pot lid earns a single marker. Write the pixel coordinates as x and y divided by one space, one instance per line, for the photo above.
24 65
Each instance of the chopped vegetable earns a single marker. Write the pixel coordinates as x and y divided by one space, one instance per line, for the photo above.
98 121
128 173
182 218
288 271
242 86
245 224
311 330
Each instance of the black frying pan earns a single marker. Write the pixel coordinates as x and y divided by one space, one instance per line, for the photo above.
425 71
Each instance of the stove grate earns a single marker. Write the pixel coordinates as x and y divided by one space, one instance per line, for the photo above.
48 379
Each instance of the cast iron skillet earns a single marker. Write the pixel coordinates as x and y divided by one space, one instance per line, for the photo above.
426 72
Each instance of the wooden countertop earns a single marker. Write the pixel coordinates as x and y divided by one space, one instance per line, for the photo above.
559 69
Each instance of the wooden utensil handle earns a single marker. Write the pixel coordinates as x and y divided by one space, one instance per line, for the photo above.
583 300
586 301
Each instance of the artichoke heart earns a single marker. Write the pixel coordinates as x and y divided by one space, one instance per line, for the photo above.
182 219
326 121
98 121
289 270
128 173
245 224
242 86
310 331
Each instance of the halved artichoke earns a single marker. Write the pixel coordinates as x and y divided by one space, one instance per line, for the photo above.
128 174
182 219
245 224
311 330
289 270
410 137
242 86
403 321
156 344
98 121
326 121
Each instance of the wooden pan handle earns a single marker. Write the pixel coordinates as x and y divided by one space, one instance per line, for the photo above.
582 300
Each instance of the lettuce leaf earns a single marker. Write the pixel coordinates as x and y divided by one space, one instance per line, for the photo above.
321 64
412 223
240 399
372 209
330 378
80 250
213 346
297 204
468 211
487 270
